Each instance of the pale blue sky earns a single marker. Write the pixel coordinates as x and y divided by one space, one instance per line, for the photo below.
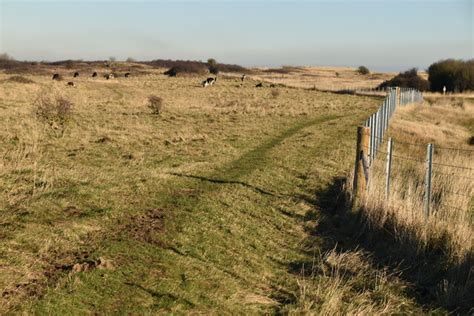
384 34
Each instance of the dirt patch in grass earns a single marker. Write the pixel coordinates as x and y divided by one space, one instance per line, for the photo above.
147 227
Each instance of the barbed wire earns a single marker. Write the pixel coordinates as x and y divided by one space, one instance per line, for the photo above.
435 171
452 166
455 193
454 149
453 207
436 147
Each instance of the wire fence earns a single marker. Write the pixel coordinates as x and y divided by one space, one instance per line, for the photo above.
441 177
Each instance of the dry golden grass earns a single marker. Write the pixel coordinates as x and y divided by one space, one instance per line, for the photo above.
114 184
206 208
449 229
323 78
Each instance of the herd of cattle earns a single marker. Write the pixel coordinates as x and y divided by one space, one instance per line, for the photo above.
208 82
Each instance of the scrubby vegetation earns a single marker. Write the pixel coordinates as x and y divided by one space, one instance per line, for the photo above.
176 67
407 79
155 104
363 70
456 75
53 109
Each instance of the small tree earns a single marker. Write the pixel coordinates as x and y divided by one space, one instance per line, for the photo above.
112 59
363 70
213 66
130 60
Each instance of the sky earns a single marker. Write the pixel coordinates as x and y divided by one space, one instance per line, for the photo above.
383 35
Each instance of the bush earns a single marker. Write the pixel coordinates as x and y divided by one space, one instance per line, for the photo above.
214 69
213 66
456 75
155 103
55 110
407 79
363 70
186 68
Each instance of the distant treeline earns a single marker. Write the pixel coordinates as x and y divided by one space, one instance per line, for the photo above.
176 67
455 75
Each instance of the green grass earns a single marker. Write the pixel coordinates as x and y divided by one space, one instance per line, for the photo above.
206 209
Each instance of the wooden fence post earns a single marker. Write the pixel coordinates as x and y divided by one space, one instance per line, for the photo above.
429 169
389 168
361 175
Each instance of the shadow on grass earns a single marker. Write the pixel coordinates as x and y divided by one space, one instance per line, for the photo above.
435 280
223 181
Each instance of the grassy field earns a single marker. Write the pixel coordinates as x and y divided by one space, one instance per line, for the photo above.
230 201
444 241
323 78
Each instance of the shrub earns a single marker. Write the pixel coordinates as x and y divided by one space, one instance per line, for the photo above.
213 66
55 110
456 75
214 69
363 70
186 69
407 79
20 79
155 103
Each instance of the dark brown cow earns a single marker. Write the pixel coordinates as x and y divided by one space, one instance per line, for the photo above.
56 77
94 74
71 84
260 85
76 74
127 74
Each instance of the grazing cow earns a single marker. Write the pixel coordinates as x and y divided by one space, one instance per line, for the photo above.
243 77
56 77
259 85
211 80
108 76
127 74
76 74
94 74
205 83
71 84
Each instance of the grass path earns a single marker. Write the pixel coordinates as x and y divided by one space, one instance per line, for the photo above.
223 243
211 208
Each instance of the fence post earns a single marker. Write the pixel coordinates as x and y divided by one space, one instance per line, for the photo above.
360 170
389 168
397 99
429 169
